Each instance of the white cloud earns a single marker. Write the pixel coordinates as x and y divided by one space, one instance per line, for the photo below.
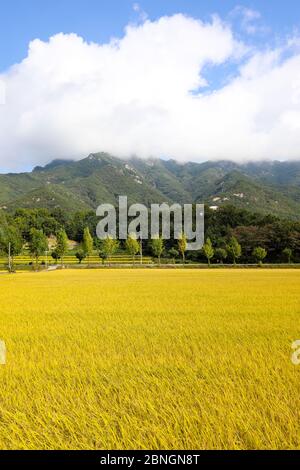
249 20
133 96
2 92
142 15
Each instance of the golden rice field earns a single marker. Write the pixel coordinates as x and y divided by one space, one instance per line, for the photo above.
156 359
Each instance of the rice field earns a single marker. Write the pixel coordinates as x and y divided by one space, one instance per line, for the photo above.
70 259
150 359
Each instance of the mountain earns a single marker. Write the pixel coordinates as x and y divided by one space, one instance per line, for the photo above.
266 187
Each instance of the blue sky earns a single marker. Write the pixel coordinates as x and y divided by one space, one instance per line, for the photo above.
190 80
98 20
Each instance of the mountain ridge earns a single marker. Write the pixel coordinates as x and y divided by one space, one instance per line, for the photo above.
266 186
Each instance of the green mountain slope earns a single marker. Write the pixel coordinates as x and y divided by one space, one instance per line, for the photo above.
267 187
239 190
51 196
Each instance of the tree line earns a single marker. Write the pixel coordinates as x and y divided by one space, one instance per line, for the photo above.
231 235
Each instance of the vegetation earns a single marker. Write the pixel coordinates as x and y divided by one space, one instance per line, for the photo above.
157 245
259 254
231 231
132 246
220 255
55 256
87 243
173 253
208 250
234 249
107 365
11 243
269 187
108 247
61 245
80 255
287 253
37 245
182 245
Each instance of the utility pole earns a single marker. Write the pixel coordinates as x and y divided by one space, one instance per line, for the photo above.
46 259
9 258
141 250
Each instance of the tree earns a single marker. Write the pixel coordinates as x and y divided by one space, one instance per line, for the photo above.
250 237
208 250
234 249
41 219
174 254
102 256
61 245
80 255
182 244
157 246
78 222
108 247
55 255
132 246
11 243
38 244
259 254
87 243
287 253
220 255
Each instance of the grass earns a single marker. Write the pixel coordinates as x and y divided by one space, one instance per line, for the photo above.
181 359
70 259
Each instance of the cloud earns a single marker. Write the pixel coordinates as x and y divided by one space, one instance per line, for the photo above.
249 20
146 94
142 15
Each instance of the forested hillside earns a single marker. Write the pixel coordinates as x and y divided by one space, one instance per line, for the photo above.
266 187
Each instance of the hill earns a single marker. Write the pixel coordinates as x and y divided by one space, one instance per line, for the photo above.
266 187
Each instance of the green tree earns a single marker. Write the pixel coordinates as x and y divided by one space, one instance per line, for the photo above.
55 255
234 249
173 253
38 244
102 256
80 255
259 254
287 254
11 243
41 219
61 245
77 223
108 247
220 255
87 243
132 246
157 246
208 250
182 245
